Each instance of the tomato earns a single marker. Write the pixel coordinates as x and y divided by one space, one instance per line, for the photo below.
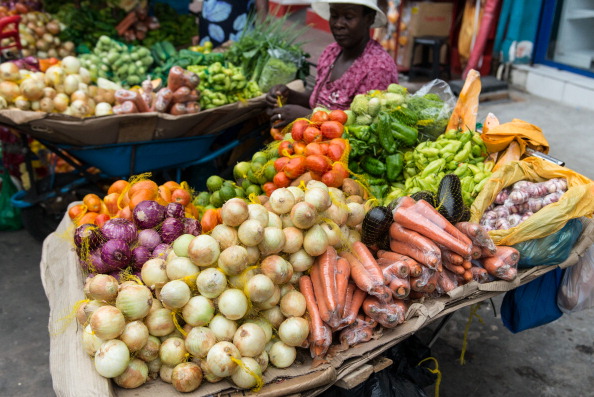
320 116
269 187
331 129
111 202
294 168
338 115
285 148
341 169
164 194
312 134
313 148
299 147
93 202
281 180
89 217
340 142
315 176
276 134
298 128
334 152
209 220
77 211
324 148
181 196
146 184
317 163
101 219
172 185
332 179
118 186
139 196
280 163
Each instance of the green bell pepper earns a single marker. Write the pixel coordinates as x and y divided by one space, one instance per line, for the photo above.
373 166
403 133
394 165
385 137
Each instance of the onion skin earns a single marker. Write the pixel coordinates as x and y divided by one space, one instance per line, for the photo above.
281 355
140 255
134 301
192 226
293 331
88 237
172 351
223 328
199 341
135 335
171 228
174 210
107 322
135 375
112 358
234 212
250 339
150 351
119 229
244 379
159 322
218 359
148 213
204 250
186 377
149 238
116 253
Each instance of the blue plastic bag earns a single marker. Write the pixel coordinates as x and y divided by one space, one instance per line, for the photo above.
534 304
552 249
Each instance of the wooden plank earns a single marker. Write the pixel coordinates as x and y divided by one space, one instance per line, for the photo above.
381 363
355 378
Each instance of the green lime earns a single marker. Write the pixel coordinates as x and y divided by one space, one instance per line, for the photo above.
260 157
269 172
214 183
240 170
262 179
210 207
239 192
228 184
253 189
251 177
245 184
216 200
203 199
227 193
256 167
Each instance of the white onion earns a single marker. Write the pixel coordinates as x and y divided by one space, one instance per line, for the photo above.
172 351
46 105
258 213
225 235
273 242
85 75
150 351
103 287
135 375
112 358
211 283
282 355
153 273
286 220
219 359
175 334
337 195
333 233
259 288
135 335
61 102
204 250
244 376
288 287
234 212
251 232
337 213
281 201
353 237
295 278
274 316
103 109
316 184
319 198
293 331
107 322
262 360
134 301
274 220
154 367
297 193
159 322
86 310
293 304
264 324
156 305
32 89
356 214
207 373
303 215
9 71
199 341
223 328
180 245
240 280
165 373
253 255
293 240
175 294
186 377
233 304
198 311
71 83
250 339
301 261
181 267
315 242
277 269
270 302
91 343
233 260
71 65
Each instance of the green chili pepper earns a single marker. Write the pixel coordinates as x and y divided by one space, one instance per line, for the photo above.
373 166
464 153
476 137
394 165
361 132
452 147
452 134
378 190
489 166
465 136
433 167
430 152
451 165
355 167
478 177
475 170
480 185
461 170
476 151
403 133
386 139
425 184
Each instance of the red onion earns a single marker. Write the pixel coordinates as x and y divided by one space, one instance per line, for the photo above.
117 274
160 251
119 229
149 238
148 214
192 226
88 236
95 264
116 253
171 229
140 255
175 210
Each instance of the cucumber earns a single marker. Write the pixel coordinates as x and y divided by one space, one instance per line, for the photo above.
169 49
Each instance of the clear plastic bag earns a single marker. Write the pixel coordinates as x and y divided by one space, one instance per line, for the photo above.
434 102
552 249
281 68
576 292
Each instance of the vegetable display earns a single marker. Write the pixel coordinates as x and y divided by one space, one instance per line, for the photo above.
40 36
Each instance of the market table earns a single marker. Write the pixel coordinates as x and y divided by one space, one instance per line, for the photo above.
73 372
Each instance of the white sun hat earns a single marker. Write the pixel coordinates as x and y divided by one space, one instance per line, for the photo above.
322 8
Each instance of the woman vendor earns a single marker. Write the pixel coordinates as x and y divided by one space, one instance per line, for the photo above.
353 65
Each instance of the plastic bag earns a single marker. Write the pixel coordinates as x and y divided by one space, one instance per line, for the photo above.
434 114
10 216
499 137
533 304
280 68
576 292
576 202
552 249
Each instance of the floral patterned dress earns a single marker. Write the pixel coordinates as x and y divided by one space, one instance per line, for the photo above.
223 20
373 70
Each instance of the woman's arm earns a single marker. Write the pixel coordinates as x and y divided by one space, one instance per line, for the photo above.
262 8
288 96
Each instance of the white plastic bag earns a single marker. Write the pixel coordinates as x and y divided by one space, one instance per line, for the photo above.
576 292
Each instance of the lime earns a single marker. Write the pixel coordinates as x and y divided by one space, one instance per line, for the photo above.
245 184
214 183
240 170
228 184
227 193
262 179
259 157
216 200
251 177
269 172
210 207
253 189
203 199
256 167
239 192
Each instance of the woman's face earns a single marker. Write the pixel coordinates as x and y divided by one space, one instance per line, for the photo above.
349 24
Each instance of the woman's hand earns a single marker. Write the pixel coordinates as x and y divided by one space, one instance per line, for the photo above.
282 116
279 90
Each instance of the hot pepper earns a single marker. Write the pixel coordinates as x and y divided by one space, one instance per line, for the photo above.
373 166
403 133
361 132
464 153
386 139
433 167
394 164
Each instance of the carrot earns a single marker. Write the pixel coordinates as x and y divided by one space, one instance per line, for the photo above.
415 269
427 247
446 281
372 285
392 269
477 234
499 266
348 300
404 202
343 272
400 287
427 210
467 275
367 260
467 265
394 256
479 274
457 269
358 298
486 252
509 255
426 282
417 222
449 256
360 331
316 324
430 259
476 252
415 295
388 315
327 269
319 292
